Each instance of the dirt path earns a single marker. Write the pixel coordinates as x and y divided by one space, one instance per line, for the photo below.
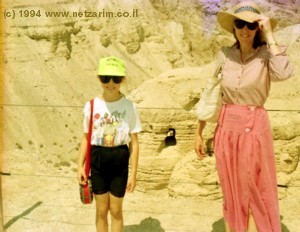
47 200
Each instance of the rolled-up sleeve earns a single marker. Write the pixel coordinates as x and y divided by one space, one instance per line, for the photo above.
280 67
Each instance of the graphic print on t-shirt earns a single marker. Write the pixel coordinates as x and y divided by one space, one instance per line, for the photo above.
113 122
110 128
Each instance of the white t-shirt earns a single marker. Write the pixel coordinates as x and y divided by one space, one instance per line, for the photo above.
113 122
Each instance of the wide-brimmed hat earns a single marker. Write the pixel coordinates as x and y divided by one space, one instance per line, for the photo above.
247 11
111 66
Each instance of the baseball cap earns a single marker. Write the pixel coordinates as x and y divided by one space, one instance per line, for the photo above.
111 66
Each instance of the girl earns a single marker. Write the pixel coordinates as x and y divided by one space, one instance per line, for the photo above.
114 139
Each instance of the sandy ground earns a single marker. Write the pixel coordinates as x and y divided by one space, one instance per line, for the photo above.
40 198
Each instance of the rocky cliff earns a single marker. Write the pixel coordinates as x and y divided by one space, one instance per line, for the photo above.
51 53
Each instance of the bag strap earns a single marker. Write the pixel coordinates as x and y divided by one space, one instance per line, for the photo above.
221 61
89 137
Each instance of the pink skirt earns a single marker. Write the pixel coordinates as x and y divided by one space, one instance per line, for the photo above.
245 162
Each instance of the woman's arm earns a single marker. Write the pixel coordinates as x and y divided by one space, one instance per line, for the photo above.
279 65
199 145
134 158
266 28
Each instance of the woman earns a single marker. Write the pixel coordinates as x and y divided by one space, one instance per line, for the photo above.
115 126
243 143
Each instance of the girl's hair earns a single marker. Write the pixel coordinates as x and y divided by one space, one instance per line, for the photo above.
258 39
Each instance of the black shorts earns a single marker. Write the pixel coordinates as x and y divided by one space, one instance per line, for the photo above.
109 169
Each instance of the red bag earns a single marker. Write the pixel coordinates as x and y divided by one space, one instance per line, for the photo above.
86 192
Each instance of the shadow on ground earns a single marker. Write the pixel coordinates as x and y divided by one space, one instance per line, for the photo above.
147 225
23 214
218 226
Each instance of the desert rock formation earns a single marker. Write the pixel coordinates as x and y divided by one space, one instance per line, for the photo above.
170 49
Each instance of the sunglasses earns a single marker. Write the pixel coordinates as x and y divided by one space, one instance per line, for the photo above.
106 79
239 24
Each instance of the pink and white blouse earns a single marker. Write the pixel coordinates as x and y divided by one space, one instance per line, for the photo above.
248 83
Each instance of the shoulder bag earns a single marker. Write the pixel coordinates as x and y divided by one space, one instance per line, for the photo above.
210 103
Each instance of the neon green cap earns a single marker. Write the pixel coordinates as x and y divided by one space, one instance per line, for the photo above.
111 66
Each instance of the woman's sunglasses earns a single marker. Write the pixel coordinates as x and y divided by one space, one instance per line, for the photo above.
239 24
106 79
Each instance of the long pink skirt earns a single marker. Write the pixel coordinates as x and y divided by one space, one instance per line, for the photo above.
245 162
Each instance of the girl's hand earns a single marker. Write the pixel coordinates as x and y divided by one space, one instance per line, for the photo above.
81 177
199 147
131 184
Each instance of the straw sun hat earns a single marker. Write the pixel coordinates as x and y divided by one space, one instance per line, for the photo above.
247 11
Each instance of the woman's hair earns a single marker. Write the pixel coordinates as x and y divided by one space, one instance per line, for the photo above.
258 39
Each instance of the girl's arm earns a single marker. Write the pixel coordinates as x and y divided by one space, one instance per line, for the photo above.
81 176
134 157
